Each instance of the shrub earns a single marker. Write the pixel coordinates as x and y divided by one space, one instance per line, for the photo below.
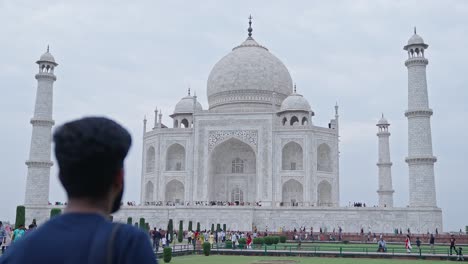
129 220
55 212
258 241
242 241
180 235
170 230
190 226
268 240
206 248
345 242
20 216
276 239
224 227
212 227
218 227
142 223
167 254
228 244
198 226
282 239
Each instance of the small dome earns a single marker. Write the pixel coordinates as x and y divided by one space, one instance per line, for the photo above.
383 122
47 57
185 106
295 102
415 39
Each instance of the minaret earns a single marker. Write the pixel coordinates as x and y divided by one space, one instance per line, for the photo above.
385 190
155 118
39 163
420 158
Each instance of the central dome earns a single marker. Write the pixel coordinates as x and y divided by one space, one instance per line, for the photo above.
248 79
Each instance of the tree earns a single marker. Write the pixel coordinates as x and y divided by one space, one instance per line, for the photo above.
224 227
142 223
198 226
129 220
180 235
218 227
55 212
212 227
170 230
20 216
167 254
190 226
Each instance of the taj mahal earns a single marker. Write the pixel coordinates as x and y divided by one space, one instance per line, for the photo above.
254 156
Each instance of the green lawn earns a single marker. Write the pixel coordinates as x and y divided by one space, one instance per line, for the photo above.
215 259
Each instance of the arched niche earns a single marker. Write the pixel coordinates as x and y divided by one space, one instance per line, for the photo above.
149 191
150 159
324 193
324 161
175 158
292 156
175 192
292 194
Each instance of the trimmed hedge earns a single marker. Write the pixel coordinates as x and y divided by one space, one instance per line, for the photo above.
167 254
142 223
55 212
206 248
20 216
180 235
258 241
218 228
170 230
268 240
282 239
212 227
198 226
228 244
190 226
276 239
242 241
129 220
224 227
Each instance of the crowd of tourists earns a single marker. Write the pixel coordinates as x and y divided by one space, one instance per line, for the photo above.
10 235
202 203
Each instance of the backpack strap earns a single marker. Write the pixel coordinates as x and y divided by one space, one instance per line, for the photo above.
102 245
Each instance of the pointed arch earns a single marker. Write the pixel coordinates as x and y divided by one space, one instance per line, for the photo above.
149 191
175 192
292 156
304 121
175 158
293 193
150 159
285 120
185 123
294 120
324 193
324 162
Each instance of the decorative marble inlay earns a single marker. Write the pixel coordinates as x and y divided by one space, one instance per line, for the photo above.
217 136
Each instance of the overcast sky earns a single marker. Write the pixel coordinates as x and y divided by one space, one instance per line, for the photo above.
121 59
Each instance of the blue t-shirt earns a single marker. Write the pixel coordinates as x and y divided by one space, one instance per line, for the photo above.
81 238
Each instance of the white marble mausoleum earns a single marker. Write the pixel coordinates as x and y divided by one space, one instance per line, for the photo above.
254 156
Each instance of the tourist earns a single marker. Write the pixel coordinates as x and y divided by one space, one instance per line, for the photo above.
418 244
156 238
90 153
408 244
18 233
7 240
382 245
460 254
189 237
249 241
211 239
234 240
431 243
2 237
452 243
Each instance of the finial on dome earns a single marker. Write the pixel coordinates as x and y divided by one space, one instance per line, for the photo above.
47 48
382 115
294 88
415 30
189 91
250 26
